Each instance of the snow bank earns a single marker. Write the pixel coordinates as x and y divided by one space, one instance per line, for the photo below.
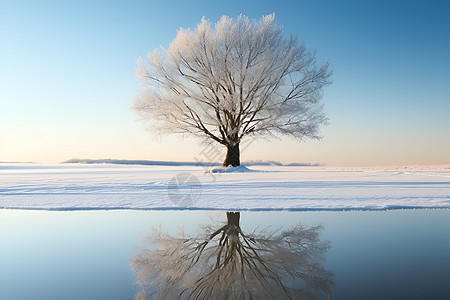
69 187
230 169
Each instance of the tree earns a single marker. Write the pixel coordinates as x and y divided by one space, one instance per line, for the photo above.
226 263
239 79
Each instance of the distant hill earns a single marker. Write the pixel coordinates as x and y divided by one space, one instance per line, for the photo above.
180 163
277 163
138 162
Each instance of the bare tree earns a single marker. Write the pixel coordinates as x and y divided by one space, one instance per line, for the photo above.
238 79
228 264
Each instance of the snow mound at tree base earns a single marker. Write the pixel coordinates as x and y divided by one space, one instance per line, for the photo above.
230 169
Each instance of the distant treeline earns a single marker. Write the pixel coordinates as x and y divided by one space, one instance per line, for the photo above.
180 163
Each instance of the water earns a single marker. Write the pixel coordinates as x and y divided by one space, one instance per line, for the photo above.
396 254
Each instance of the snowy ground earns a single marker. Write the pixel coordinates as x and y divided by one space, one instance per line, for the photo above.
177 187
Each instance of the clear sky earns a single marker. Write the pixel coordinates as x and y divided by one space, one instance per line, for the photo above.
67 79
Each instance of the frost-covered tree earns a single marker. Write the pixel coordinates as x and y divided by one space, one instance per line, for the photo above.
226 263
241 78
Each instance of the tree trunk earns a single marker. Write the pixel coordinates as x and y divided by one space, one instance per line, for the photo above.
232 231
233 156
233 218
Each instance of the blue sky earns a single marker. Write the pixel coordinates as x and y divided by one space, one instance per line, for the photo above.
67 79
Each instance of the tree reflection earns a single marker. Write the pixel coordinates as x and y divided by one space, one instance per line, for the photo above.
228 264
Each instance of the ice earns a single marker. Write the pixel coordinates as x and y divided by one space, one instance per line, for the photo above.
107 186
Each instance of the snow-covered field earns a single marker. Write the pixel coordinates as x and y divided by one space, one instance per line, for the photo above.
177 187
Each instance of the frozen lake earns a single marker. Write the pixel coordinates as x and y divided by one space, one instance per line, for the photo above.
395 254
69 231
71 187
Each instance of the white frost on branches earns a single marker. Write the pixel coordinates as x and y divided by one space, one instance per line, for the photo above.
240 78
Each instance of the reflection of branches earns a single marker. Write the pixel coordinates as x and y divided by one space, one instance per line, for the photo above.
229 264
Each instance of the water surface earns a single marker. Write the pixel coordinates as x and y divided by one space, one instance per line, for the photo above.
395 254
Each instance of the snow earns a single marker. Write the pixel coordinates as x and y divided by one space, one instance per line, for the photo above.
77 186
230 169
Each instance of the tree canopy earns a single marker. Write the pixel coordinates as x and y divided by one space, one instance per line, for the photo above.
241 78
